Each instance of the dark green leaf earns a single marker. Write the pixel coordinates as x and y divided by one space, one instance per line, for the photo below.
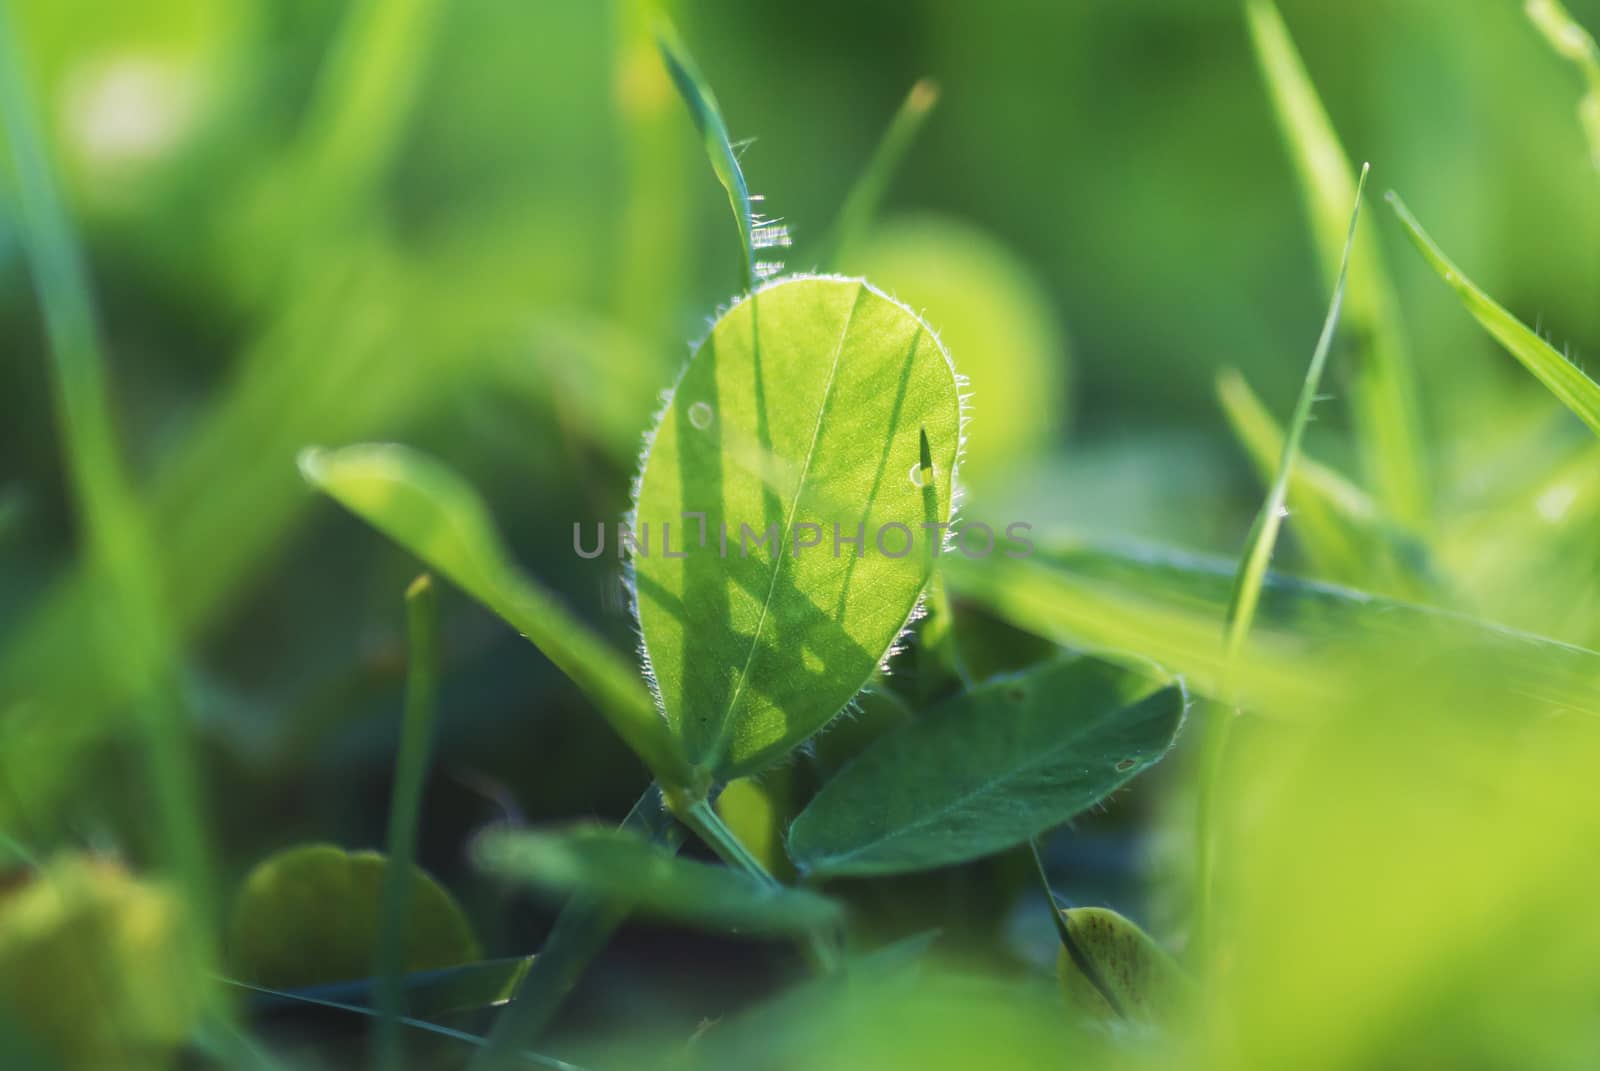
988 769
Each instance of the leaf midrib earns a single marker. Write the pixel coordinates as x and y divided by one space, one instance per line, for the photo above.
721 741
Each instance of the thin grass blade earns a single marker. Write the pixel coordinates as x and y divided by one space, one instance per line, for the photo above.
1383 394
532 1058
861 204
1335 518
428 994
1564 379
1571 41
1264 533
755 233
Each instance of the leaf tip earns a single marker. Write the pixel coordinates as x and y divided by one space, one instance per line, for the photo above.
311 463
420 588
924 95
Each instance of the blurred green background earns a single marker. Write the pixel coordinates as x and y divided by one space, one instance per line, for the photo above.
485 227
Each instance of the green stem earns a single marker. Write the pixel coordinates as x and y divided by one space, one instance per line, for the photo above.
405 804
581 930
710 828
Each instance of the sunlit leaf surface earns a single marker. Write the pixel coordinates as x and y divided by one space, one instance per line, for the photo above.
799 420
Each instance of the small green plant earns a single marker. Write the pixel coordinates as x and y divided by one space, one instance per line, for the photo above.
859 716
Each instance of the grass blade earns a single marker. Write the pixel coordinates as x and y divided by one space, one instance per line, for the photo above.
1383 390
862 202
531 1058
1571 41
1264 533
1564 379
432 512
1335 518
405 803
430 993
755 233
1246 595
1310 648
136 633
224 497
364 96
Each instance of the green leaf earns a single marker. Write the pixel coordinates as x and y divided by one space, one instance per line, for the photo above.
1112 969
875 711
1383 393
1264 532
800 418
1308 646
988 769
627 870
309 916
1563 378
432 512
